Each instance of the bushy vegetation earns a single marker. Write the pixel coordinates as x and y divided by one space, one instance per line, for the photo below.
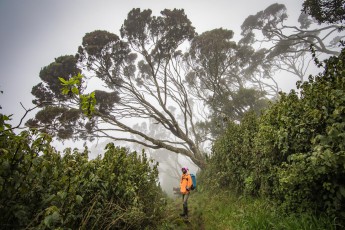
294 153
43 189
231 163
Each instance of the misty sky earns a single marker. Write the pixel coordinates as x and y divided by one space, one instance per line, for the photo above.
34 32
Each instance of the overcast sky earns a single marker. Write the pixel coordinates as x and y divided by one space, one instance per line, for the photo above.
34 32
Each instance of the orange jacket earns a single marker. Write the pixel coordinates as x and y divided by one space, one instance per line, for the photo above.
186 183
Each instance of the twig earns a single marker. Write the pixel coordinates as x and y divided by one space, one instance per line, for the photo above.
26 113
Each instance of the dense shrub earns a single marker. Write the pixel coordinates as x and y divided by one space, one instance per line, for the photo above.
42 189
314 174
295 152
232 165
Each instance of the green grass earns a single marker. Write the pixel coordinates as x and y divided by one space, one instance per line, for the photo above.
225 211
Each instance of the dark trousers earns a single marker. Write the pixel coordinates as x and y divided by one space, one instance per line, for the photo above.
185 199
185 204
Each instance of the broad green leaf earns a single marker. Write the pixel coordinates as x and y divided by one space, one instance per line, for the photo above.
75 90
63 81
62 194
65 91
78 199
52 219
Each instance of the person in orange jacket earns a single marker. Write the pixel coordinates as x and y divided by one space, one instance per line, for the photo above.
185 187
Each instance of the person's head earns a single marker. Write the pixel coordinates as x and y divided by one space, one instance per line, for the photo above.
184 170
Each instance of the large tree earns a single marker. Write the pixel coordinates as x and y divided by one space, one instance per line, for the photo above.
144 80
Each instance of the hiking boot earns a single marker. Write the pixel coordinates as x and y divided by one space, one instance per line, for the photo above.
185 212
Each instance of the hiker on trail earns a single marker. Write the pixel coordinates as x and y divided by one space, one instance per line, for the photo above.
185 187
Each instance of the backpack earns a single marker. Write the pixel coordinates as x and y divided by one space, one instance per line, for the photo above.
193 181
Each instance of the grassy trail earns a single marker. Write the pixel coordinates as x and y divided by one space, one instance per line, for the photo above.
224 211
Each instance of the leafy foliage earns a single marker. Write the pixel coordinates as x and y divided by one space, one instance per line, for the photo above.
231 162
330 11
294 153
42 189
87 101
321 162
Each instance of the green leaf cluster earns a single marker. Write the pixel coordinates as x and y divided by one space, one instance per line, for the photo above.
294 152
88 103
71 87
41 188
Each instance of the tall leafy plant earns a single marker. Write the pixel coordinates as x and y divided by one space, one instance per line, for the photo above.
315 177
231 165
